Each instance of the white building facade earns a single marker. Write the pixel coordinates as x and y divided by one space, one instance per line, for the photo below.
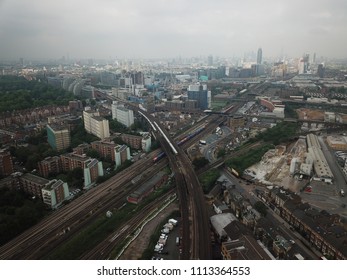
123 115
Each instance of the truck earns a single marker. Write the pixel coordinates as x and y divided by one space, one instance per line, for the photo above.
178 240
173 222
233 171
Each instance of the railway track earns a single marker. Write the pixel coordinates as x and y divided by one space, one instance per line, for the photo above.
105 248
61 225
28 243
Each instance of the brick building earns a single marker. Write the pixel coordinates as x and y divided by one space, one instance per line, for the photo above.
50 166
6 165
105 148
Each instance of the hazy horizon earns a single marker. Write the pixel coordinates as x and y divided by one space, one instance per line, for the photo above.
158 28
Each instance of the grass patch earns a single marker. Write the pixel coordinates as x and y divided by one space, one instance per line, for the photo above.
251 157
209 179
218 105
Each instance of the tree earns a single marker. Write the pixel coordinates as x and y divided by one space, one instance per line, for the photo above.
75 177
93 153
200 162
261 208
221 153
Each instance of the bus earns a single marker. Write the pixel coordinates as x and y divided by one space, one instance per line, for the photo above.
202 142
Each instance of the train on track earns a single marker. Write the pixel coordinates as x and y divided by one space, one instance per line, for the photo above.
181 142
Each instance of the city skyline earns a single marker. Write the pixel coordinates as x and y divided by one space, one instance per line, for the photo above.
155 29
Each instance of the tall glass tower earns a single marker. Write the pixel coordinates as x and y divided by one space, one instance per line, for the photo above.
259 56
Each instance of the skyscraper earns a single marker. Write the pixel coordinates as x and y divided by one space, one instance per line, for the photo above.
201 95
259 56
320 70
210 60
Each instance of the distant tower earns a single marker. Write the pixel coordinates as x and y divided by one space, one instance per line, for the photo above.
210 60
259 56
320 70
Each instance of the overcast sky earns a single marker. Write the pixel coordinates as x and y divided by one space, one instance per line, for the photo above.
170 28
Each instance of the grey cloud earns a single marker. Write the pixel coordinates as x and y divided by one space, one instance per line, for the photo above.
103 28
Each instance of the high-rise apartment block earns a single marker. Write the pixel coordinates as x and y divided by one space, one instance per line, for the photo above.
71 161
122 154
105 149
33 184
82 149
50 166
55 193
58 137
133 141
92 168
123 115
146 142
95 124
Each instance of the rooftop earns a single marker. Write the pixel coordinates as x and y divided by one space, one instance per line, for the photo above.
36 179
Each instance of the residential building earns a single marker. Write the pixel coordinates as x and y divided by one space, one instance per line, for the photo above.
49 166
105 148
133 141
58 137
91 167
55 193
122 153
244 248
71 161
75 105
82 149
123 115
146 142
95 124
92 170
33 184
6 165
100 127
326 232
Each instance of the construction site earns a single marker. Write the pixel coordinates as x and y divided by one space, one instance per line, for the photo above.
274 168
289 167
